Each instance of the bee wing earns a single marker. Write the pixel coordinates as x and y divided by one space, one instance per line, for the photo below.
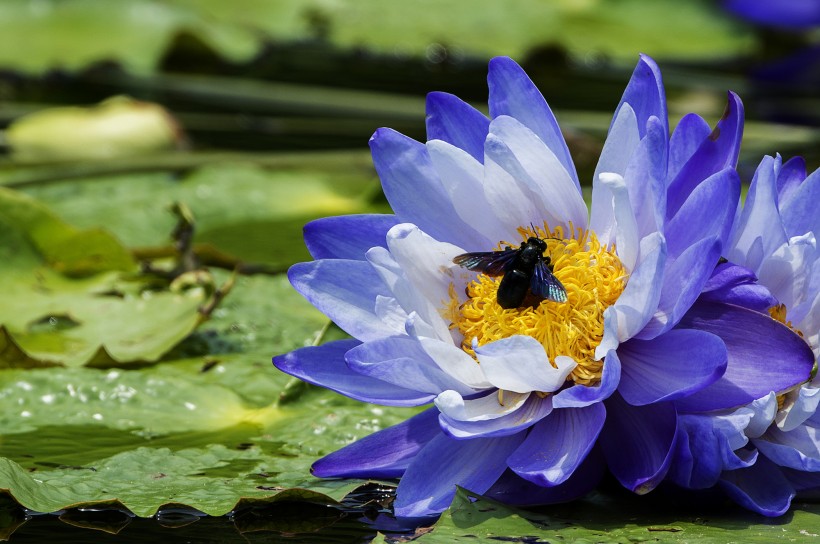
546 285
492 263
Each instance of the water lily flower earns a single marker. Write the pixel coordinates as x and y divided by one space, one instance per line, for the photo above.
765 452
532 403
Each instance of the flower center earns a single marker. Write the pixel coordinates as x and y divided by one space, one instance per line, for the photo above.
593 277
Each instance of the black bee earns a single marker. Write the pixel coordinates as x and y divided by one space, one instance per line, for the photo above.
523 268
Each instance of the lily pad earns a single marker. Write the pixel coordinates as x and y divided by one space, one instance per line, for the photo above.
243 210
615 515
67 300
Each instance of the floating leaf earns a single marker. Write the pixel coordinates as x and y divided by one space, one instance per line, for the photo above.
119 126
98 316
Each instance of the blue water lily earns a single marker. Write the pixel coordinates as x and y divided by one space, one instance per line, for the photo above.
531 404
765 452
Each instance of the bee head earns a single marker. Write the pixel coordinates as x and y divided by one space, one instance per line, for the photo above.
539 243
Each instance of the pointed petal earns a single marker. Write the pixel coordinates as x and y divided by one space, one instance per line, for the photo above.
325 366
720 150
686 138
709 211
513 93
465 185
558 444
345 291
760 219
414 189
764 356
791 175
383 454
455 362
519 363
429 483
638 442
671 366
402 361
454 121
524 154
646 95
761 488
347 236
645 178
621 142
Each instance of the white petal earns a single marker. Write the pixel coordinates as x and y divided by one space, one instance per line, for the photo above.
455 362
453 405
621 142
463 178
786 273
626 226
520 364
428 266
390 311
542 173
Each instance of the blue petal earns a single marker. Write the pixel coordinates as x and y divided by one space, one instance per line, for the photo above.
414 189
708 211
764 356
646 95
383 454
513 93
686 138
761 488
791 175
402 361
638 442
734 284
429 483
325 366
703 452
671 366
579 396
759 224
645 177
800 213
558 444
797 449
718 151
454 121
345 291
683 281
347 236
512 489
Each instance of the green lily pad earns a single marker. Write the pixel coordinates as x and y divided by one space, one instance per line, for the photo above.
615 515
71 34
81 436
67 303
75 33
245 211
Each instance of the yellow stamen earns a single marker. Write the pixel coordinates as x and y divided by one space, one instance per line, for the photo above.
593 277
778 313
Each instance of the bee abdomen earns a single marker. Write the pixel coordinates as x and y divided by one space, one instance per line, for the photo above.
512 289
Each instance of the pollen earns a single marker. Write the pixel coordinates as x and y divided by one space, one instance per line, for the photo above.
593 277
